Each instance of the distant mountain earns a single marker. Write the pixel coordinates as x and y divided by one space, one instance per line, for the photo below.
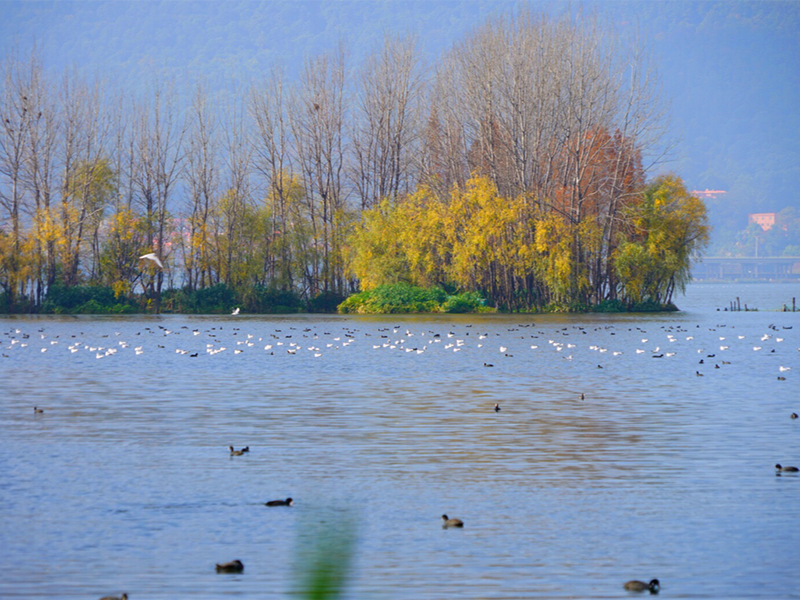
731 69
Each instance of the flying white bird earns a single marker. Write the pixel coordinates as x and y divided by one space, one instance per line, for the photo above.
152 256
235 311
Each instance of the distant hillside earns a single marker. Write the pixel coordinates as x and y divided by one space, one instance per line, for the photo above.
731 69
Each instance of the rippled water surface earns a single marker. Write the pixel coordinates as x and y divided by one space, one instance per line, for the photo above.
377 426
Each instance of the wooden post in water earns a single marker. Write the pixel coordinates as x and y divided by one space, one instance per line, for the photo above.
738 304
793 305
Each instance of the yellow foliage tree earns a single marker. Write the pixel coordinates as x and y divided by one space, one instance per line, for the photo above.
671 229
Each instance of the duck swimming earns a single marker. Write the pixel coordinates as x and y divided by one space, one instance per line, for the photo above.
123 597
287 502
234 566
781 469
641 586
236 452
451 522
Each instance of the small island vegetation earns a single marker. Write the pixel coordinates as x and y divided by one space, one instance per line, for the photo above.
510 175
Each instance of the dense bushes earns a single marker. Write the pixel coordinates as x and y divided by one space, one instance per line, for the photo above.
618 306
85 299
405 298
326 302
266 300
221 299
217 299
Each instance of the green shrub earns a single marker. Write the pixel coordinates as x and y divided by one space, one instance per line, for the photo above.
611 306
651 306
467 302
272 301
85 299
21 304
215 299
567 307
353 303
70 299
325 302
404 298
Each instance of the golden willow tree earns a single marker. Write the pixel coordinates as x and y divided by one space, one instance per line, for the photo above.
523 258
513 166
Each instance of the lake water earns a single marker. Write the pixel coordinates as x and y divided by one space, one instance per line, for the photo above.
377 426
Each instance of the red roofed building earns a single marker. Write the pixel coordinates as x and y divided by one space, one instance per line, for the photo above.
764 220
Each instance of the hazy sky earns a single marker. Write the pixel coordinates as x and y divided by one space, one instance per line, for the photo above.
731 70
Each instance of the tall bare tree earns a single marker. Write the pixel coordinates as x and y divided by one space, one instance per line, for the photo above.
202 175
272 161
318 114
236 178
17 120
85 132
386 124
41 176
159 145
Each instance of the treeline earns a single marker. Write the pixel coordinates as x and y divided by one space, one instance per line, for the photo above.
511 167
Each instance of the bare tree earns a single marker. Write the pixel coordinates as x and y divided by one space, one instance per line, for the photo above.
84 135
386 124
238 159
201 170
318 113
40 168
17 120
272 160
159 146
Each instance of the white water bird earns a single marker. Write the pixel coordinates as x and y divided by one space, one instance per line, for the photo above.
152 256
235 311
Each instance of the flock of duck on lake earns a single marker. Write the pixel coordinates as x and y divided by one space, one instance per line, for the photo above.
384 339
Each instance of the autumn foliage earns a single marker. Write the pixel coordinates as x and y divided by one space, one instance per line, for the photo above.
524 255
512 168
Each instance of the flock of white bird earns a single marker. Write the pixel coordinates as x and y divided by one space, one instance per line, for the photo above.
417 339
